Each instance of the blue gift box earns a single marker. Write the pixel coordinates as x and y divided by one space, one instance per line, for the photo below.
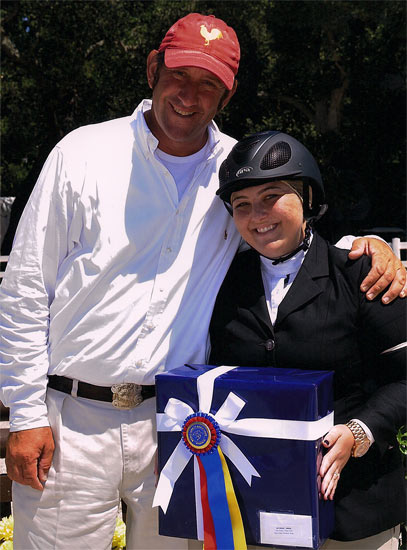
283 414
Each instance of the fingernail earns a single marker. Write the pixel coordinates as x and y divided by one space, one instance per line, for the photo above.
386 300
364 288
402 294
370 296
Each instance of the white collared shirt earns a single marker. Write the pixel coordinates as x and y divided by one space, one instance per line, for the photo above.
277 280
111 278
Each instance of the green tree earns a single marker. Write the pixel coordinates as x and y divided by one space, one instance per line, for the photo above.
336 79
332 73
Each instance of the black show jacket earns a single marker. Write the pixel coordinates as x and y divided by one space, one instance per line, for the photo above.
326 323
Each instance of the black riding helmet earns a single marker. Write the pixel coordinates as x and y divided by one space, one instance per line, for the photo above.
268 156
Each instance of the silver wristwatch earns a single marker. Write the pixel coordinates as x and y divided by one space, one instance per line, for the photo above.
362 443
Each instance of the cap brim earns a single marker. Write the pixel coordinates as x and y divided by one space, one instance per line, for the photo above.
175 57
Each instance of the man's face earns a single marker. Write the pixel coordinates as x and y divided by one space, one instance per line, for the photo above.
185 100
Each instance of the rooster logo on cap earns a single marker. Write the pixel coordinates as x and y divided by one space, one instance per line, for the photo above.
213 35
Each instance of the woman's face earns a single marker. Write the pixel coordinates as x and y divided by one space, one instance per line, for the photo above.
269 217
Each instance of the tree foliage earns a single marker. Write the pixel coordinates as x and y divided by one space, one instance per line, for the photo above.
332 73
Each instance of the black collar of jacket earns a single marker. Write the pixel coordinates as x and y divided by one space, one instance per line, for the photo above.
304 288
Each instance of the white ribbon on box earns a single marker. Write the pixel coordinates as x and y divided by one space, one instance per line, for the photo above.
176 412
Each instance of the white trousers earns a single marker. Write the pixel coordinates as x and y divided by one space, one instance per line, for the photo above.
102 454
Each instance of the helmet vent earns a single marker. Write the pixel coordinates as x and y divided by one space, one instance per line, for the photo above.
246 144
245 150
278 155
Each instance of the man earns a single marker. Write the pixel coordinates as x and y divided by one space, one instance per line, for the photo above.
113 275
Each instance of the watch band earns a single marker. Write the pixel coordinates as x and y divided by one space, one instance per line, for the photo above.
362 443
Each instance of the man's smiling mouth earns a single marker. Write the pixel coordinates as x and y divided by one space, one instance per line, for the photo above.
181 112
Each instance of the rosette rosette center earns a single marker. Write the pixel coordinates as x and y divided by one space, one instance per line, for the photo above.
201 433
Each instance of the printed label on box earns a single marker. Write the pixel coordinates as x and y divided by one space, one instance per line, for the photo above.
285 529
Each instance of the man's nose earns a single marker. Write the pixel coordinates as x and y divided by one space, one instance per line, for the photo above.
188 94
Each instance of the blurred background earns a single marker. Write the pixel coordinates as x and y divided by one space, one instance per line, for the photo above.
331 73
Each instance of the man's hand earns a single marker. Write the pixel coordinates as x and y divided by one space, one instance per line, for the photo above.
29 456
386 270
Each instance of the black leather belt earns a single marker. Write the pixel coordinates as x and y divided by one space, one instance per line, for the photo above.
122 396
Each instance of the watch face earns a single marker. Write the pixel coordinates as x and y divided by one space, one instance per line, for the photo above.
361 448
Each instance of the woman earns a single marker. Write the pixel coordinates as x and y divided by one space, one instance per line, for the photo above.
293 300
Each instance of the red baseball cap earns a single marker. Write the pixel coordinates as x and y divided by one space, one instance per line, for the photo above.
205 42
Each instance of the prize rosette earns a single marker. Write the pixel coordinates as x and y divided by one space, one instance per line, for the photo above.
219 514
204 439
201 433
223 527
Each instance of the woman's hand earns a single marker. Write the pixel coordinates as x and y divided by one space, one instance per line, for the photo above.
339 440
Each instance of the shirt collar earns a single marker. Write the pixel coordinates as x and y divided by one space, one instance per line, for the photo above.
285 268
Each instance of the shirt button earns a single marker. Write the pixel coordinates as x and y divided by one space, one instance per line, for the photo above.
169 249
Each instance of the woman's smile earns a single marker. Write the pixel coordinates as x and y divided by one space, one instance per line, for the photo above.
266 229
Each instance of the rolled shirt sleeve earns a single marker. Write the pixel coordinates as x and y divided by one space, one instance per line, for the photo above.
26 293
347 241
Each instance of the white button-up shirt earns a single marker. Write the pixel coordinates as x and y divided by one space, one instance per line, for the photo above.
111 279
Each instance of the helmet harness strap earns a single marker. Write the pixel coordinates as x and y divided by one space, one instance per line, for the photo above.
303 246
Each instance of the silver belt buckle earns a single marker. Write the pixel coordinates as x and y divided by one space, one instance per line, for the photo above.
126 396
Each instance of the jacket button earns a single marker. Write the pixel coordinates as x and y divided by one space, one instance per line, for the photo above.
269 345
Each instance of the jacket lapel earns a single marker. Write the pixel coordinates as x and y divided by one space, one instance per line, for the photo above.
254 297
307 285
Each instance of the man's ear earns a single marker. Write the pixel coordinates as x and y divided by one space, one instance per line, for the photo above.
228 96
151 67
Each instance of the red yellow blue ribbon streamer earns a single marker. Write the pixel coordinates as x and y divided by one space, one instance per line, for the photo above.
209 528
239 536
223 526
